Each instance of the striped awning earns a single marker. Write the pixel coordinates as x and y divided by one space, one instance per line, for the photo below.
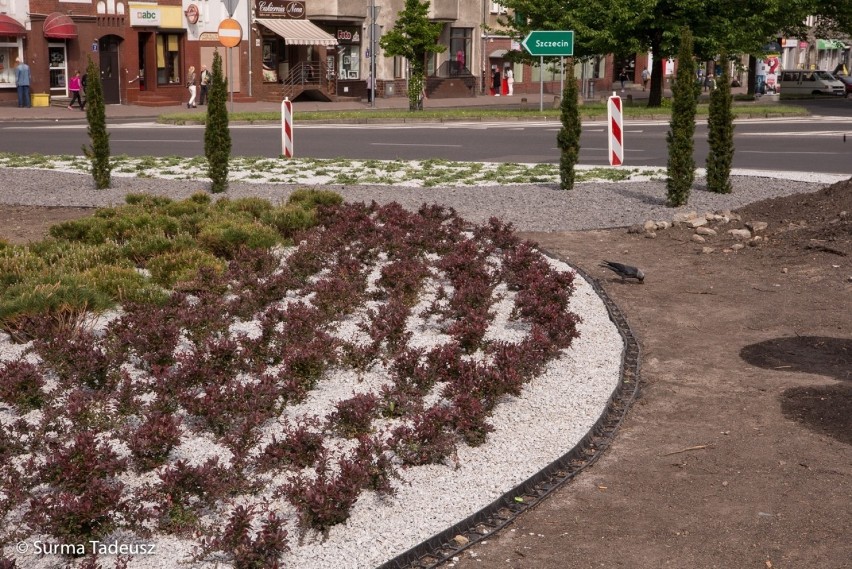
11 27
298 32
59 26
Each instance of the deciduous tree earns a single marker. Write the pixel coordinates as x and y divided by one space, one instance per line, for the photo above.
413 36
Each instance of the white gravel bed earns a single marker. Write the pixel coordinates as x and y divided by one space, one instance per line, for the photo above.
553 413
530 207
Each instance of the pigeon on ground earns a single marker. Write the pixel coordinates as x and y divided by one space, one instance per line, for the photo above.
624 271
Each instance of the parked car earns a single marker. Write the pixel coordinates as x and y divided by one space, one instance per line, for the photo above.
810 82
847 81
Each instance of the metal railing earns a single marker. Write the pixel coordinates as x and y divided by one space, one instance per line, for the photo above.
307 75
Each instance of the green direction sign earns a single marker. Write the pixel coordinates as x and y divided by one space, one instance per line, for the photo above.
548 43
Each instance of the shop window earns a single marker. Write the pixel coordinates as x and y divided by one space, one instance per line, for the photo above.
270 61
349 64
169 70
9 50
552 72
460 42
398 67
57 64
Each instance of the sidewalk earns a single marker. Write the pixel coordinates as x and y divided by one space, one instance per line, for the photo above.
12 113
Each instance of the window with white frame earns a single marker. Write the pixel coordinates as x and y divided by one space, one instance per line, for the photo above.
498 8
58 66
11 48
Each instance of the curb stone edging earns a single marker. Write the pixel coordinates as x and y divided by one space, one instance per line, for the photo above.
442 547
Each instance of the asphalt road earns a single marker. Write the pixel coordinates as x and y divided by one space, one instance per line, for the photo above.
821 144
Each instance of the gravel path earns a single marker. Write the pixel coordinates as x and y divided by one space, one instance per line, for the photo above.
530 207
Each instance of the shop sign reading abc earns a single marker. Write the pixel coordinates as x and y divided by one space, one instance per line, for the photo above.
285 9
147 16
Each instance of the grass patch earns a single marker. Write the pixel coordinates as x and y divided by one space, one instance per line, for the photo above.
587 111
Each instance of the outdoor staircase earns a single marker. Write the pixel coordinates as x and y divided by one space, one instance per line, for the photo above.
149 99
59 101
307 80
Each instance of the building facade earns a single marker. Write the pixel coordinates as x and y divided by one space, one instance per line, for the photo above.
319 49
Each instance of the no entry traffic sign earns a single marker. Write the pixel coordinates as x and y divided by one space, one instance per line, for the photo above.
230 33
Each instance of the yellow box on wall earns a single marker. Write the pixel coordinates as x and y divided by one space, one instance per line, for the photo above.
171 17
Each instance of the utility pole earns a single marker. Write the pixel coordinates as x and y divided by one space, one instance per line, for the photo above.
250 47
374 28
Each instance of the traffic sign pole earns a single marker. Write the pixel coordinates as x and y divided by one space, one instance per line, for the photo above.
230 36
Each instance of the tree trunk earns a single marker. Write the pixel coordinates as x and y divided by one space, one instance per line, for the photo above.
752 74
655 96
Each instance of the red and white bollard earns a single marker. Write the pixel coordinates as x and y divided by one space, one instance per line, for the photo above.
287 128
616 131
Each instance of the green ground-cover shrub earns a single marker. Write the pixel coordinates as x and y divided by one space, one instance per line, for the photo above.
96 262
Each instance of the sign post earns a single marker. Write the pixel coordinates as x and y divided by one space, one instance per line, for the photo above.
230 36
548 43
616 130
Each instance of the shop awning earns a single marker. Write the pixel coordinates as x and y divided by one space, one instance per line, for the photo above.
830 44
11 27
497 54
298 32
59 26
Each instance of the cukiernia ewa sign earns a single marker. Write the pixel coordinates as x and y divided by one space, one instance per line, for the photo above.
549 43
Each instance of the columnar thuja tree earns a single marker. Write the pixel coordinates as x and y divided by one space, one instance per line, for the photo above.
681 165
98 152
217 136
413 37
568 138
721 134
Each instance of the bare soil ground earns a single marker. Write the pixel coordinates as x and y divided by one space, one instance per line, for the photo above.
738 453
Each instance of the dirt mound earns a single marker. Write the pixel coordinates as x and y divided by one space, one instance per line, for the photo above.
819 221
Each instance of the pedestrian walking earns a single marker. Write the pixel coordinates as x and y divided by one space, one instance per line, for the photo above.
205 85
84 81
646 75
623 78
510 81
74 86
191 80
22 81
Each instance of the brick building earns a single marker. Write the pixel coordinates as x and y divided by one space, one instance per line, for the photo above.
318 49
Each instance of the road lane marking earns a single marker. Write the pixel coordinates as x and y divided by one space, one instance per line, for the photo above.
412 144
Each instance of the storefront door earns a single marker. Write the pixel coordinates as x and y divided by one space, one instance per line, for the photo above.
110 70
